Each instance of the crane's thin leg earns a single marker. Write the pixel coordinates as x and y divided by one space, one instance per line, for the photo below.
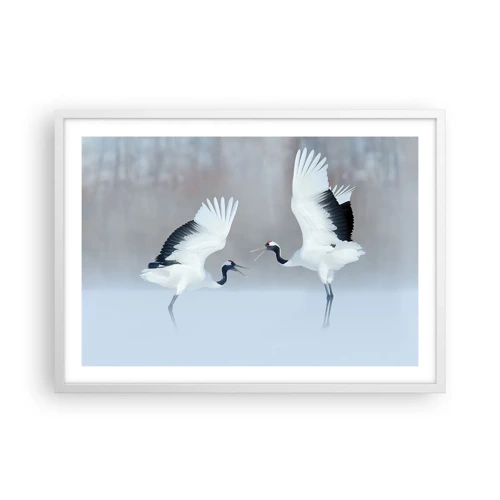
325 322
171 310
330 306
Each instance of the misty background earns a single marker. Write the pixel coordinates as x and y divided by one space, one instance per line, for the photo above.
137 191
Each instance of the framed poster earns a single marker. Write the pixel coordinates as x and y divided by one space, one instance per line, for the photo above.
157 213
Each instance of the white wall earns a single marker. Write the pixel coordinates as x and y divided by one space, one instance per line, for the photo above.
381 54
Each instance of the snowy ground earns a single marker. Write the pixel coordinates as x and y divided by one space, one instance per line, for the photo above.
274 328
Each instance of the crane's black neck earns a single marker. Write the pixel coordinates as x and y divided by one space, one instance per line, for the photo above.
279 258
223 280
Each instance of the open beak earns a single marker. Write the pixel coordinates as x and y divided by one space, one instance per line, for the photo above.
261 249
237 270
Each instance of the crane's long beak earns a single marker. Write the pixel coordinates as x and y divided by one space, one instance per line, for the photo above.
261 249
238 271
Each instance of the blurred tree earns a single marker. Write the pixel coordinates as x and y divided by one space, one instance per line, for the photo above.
136 191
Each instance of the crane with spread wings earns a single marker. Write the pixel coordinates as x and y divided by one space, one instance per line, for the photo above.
180 265
326 220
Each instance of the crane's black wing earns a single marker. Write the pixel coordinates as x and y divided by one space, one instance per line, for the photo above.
168 248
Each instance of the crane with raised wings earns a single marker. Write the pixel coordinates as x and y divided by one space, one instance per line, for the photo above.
326 220
180 265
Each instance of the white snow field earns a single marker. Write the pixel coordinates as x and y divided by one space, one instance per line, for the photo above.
131 327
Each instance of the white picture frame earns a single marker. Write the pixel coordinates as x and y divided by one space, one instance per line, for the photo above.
436 118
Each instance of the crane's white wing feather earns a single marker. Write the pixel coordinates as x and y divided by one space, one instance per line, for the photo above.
316 208
342 193
193 242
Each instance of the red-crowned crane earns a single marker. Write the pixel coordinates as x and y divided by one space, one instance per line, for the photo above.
326 220
180 264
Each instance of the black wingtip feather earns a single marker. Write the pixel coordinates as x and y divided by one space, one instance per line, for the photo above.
349 217
174 239
337 214
156 265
